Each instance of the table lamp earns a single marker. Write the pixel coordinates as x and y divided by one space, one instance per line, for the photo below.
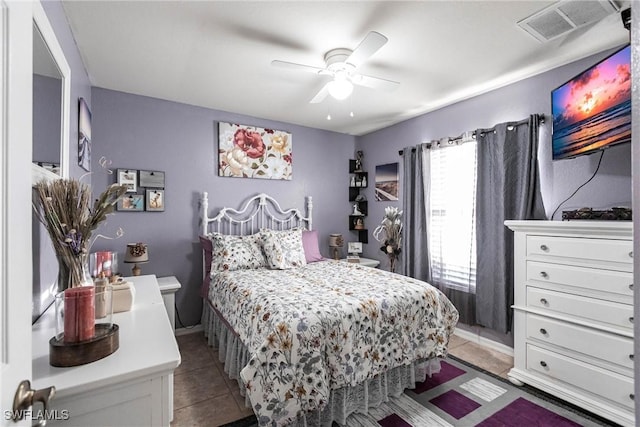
335 242
135 254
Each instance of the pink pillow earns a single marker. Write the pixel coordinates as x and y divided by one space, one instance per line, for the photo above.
310 245
207 247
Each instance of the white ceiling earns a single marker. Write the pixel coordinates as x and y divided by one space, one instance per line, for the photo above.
218 54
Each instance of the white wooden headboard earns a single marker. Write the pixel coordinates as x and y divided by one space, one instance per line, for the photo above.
260 211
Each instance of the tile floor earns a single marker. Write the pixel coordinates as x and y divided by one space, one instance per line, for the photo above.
203 395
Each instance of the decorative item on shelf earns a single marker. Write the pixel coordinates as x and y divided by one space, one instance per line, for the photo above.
359 155
136 253
363 181
356 210
389 233
361 198
335 243
358 224
353 181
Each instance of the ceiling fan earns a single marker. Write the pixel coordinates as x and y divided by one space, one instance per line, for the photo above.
341 65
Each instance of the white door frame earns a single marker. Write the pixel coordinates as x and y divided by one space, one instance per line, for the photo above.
16 30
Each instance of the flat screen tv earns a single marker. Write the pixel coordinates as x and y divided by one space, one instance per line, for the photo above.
592 111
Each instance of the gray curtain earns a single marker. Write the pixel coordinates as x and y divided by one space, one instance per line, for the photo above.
508 187
415 250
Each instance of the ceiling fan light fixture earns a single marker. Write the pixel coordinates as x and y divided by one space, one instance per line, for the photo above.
340 88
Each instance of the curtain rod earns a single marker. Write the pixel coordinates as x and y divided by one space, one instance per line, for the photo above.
540 117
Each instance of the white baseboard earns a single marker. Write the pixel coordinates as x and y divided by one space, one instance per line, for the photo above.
189 330
485 342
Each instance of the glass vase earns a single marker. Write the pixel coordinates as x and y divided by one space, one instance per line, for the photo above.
73 271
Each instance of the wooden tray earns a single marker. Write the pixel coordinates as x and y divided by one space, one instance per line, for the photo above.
105 342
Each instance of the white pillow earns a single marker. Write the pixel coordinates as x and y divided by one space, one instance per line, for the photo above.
283 248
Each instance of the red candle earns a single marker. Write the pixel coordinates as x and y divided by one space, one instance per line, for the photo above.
79 320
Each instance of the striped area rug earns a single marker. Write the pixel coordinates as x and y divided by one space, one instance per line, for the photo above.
464 395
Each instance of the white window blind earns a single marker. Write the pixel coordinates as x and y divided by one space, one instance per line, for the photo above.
452 216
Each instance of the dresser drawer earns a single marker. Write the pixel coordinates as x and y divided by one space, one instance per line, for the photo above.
610 348
594 279
581 249
615 387
588 309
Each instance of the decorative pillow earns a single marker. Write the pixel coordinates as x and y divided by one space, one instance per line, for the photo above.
283 249
310 246
207 248
236 252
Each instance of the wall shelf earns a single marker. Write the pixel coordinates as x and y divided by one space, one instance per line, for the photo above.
358 180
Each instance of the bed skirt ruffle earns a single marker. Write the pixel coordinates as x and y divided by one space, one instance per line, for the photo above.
342 402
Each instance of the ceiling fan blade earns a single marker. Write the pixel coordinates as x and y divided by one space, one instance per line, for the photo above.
298 67
321 95
375 82
367 47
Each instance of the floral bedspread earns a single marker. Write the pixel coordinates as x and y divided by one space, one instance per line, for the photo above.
325 326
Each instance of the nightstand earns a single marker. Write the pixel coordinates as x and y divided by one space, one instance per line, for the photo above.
169 285
367 262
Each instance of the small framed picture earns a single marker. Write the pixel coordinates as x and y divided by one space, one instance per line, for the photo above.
131 203
354 247
155 200
128 177
152 179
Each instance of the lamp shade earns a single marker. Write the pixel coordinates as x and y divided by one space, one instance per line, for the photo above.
336 241
136 253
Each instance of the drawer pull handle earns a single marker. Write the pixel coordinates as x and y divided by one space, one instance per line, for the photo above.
631 319
631 356
631 286
632 396
543 331
543 301
546 248
544 274
631 254
543 363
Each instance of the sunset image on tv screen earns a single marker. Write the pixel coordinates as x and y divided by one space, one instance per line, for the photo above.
593 110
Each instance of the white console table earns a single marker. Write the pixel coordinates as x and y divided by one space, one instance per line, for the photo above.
131 387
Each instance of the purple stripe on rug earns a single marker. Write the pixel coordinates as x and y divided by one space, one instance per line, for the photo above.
447 373
394 420
455 404
521 412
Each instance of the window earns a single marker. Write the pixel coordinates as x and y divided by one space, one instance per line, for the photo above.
451 216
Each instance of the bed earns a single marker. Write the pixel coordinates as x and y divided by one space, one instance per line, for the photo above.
311 340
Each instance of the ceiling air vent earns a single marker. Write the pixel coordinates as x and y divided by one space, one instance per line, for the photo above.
564 16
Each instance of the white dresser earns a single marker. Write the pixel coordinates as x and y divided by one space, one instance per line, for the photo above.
131 387
573 313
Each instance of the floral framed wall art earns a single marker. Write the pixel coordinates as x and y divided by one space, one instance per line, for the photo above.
254 152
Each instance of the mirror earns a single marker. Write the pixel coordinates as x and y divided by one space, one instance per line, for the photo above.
50 145
51 102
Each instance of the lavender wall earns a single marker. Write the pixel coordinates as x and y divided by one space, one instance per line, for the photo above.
611 186
137 132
